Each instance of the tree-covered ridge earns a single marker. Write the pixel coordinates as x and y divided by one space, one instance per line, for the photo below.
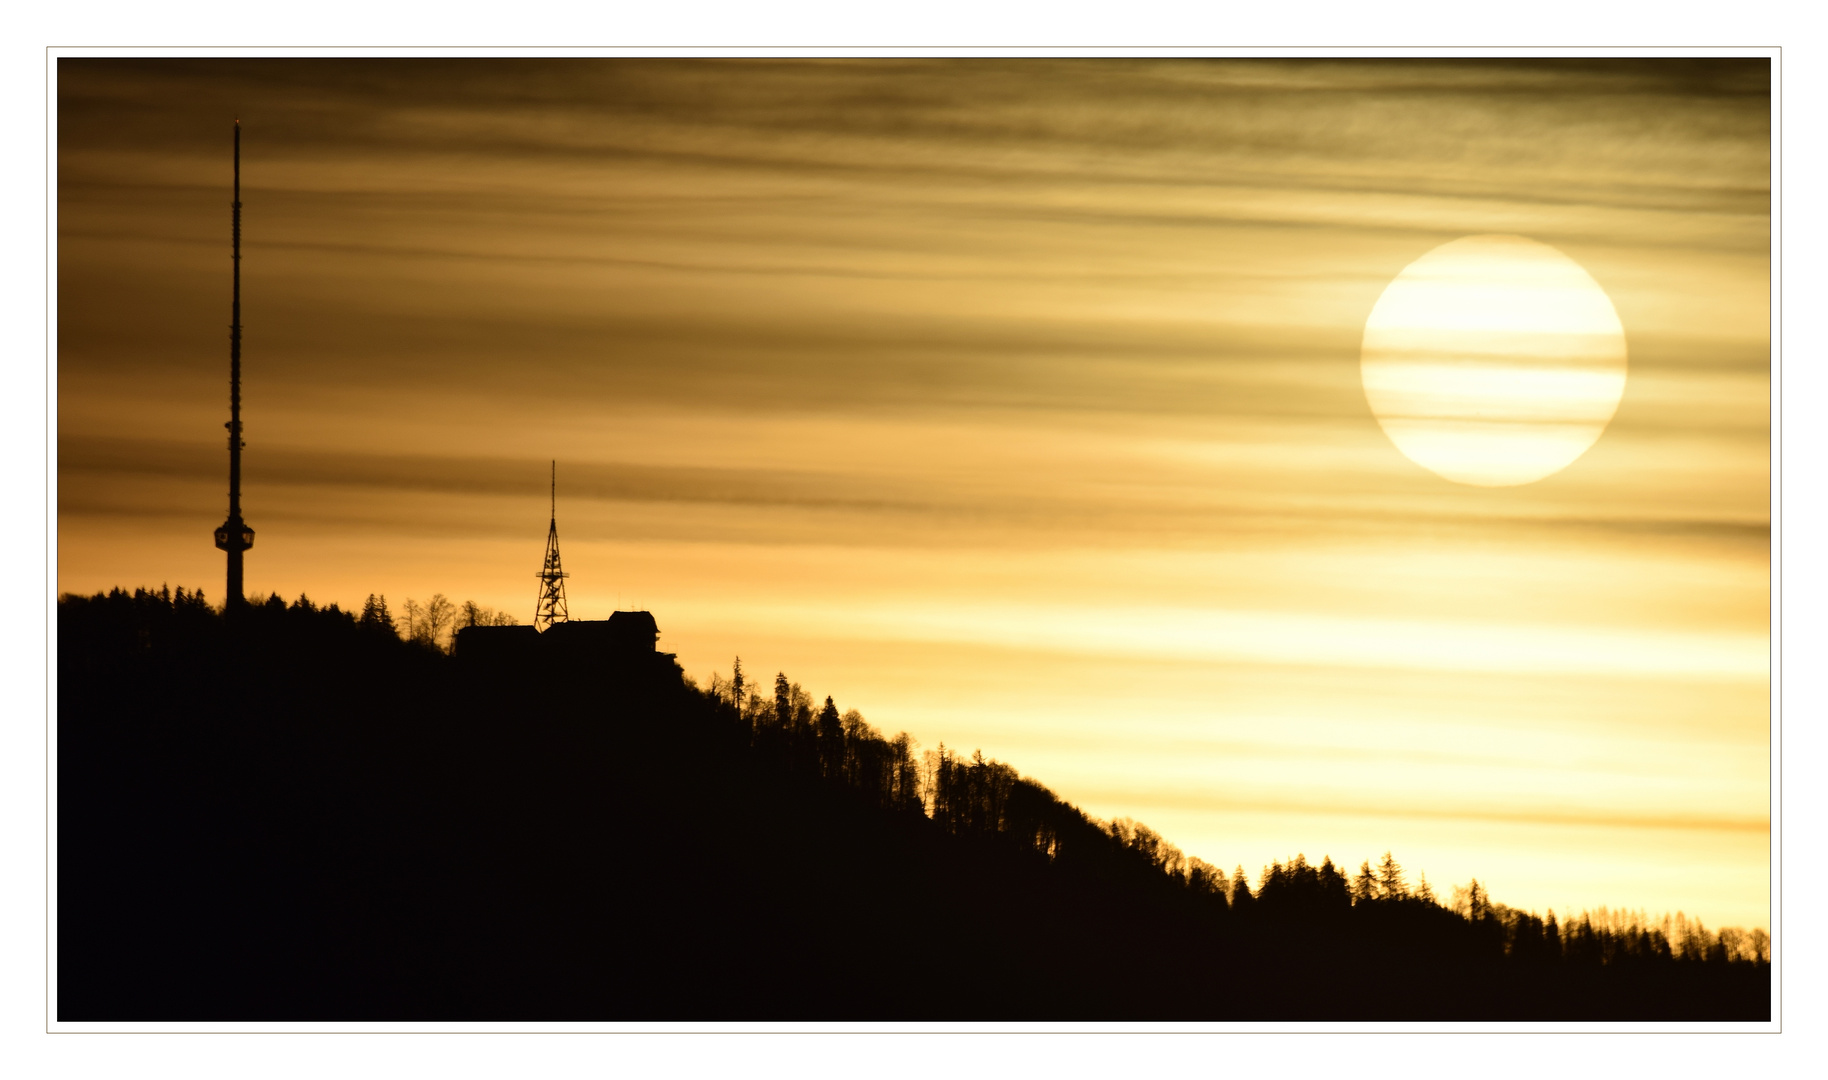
984 798
396 822
161 617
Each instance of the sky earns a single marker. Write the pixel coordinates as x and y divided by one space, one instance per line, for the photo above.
1016 404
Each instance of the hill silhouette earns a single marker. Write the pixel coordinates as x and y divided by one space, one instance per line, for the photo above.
295 814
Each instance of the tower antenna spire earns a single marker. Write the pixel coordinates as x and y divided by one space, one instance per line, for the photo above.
234 536
550 607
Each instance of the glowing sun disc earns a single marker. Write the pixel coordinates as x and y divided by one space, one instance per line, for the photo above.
1493 360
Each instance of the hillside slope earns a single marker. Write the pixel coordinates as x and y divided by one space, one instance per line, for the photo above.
304 818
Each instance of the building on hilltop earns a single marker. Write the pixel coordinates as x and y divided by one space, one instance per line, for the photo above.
495 643
625 638
627 633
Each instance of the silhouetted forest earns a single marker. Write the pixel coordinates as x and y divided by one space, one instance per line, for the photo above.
306 813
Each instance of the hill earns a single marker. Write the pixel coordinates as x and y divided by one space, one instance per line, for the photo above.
296 815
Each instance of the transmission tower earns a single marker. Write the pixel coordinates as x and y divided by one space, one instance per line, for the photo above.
235 535
551 605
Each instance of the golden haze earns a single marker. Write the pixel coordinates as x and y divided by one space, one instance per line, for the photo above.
1017 404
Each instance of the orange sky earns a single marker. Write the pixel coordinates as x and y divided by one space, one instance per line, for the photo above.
1014 403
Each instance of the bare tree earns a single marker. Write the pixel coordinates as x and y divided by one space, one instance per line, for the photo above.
431 622
474 614
440 619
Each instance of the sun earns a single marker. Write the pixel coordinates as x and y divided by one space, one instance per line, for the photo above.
1493 360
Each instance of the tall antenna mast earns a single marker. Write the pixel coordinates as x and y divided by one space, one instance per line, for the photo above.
234 536
550 608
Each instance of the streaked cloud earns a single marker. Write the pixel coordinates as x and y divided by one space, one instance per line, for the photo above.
1016 403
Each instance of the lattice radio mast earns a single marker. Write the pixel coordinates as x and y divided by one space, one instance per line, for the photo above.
234 536
551 606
